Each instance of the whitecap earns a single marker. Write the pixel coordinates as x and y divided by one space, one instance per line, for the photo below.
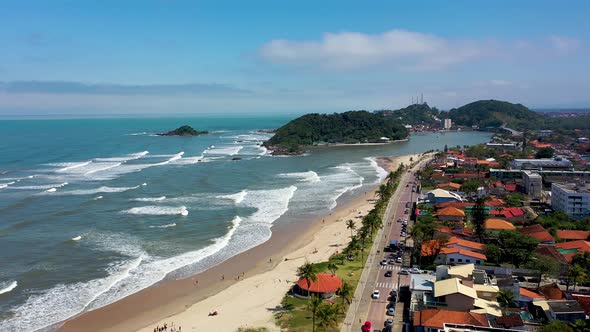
381 172
51 190
150 199
7 287
309 176
164 226
155 210
4 185
102 189
226 151
40 187
97 198
77 238
237 197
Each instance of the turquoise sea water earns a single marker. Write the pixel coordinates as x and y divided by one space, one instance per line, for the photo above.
94 210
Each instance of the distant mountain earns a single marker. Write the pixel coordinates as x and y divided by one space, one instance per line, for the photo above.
348 128
184 131
494 113
414 114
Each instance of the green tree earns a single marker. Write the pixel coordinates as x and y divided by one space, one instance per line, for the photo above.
346 292
332 267
506 299
544 153
518 247
328 315
493 253
544 265
556 326
478 217
314 305
350 225
309 272
576 273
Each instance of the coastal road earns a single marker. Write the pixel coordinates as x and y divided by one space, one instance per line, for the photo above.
373 278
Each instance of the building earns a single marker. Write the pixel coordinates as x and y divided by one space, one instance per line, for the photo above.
449 186
557 163
441 196
450 214
505 146
325 286
563 310
571 198
434 320
495 225
447 123
572 248
533 184
572 235
538 232
545 133
498 173
454 295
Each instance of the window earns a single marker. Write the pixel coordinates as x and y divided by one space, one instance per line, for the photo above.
460 260
478 262
451 259
467 261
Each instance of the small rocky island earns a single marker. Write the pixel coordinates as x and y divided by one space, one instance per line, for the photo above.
184 131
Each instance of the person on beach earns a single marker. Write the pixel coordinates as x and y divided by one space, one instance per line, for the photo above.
223 277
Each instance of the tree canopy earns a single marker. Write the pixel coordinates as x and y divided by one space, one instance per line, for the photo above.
494 113
348 127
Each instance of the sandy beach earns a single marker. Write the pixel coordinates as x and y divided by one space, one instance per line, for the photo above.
242 299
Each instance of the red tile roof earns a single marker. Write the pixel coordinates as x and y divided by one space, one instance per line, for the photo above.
530 294
573 248
495 202
469 253
449 184
494 223
538 232
573 235
451 211
540 145
552 292
435 318
325 283
510 186
466 243
583 300
509 321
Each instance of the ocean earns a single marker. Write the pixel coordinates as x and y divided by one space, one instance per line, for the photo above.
93 210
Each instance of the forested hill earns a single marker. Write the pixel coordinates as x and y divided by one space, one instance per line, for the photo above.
349 127
414 114
494 113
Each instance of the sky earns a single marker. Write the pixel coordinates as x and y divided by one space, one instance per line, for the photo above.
279 57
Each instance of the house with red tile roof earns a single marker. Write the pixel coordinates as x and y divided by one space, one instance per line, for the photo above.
538 232
583 299
455 251
512 214
572 235
455 242
459 231
552 292
495 225
324 286
450 214
572 248
429 320
529 296
540 145
460 256
450 186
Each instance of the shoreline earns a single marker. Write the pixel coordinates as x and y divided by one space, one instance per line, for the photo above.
262 271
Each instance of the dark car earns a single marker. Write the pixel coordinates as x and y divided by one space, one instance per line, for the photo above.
388 274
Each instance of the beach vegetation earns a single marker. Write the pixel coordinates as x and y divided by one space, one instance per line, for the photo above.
350 224
252 329
184 131
298 314
309 272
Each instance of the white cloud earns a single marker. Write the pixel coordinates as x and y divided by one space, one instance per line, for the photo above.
564 44
348 50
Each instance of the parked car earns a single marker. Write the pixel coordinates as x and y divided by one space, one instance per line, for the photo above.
383 262
393 293
399 260
391 261
366 327
388 322
404 271
375 294
391 311
415 270
388 274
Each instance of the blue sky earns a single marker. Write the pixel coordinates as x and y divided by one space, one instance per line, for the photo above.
159 57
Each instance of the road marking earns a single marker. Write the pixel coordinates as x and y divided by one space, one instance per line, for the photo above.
388 285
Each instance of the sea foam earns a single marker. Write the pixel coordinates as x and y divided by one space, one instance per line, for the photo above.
7 287
309 176
158 210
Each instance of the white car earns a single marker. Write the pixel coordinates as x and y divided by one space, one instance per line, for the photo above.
399 260
403 271
415 270
375 294
383 262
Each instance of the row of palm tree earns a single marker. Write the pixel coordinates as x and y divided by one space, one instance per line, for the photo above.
327 314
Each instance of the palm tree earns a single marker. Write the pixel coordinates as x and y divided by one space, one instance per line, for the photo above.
314 305
576 273
345 292
506 299
382 191
308 271
328 315
350 225
332 267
